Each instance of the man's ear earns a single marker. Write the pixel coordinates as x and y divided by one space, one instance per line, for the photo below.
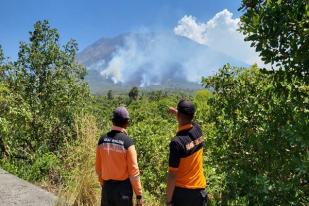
178 117
126 125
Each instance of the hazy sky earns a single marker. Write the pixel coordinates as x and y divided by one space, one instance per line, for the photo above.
88 20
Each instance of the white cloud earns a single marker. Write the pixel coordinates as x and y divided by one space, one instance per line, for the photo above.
219 33
188 27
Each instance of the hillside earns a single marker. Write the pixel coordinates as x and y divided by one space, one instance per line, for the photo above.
149 60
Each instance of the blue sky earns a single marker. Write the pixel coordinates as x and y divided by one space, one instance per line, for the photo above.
88 20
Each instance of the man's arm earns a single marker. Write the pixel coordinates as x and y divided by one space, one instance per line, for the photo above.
171 182
98 165
174 161
172 110
134 173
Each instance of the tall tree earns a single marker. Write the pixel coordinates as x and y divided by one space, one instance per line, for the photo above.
261 116
261 139
3 90
110 94
1 55
133 94
50 86
279 30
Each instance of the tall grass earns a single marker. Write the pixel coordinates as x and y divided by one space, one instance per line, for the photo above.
81 183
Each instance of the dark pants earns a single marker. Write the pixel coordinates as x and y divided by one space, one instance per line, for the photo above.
189 197
117 193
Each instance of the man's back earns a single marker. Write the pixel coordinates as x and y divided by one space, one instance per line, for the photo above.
116 164
187 156
186 182
113 156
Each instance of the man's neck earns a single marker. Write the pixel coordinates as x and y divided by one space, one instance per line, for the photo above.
120 129
184 126
180 124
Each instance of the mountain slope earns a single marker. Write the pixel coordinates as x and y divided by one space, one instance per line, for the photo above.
155 60
101 49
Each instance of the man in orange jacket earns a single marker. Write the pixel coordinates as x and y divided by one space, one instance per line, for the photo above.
186 181
116 164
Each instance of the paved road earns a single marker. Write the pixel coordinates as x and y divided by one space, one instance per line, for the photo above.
17 192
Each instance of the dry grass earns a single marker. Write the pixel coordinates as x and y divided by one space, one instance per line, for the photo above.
82 187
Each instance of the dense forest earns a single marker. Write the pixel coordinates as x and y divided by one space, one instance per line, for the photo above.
255 120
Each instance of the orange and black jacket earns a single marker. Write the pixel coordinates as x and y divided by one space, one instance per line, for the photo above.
116 159
186 157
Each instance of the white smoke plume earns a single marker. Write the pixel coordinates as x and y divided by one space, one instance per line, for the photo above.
194 49
153 58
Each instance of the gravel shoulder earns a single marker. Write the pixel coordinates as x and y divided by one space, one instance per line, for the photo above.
17 192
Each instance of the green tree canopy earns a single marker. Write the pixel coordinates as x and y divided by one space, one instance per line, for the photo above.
110 94
1 55
279 30
49 89
133 94
261 141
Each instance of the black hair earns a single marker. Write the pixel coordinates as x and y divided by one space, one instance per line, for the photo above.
120 122
187 117
186 107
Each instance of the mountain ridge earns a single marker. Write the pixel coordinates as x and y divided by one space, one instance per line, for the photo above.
149 60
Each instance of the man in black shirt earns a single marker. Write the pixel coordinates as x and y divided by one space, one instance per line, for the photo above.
186 181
